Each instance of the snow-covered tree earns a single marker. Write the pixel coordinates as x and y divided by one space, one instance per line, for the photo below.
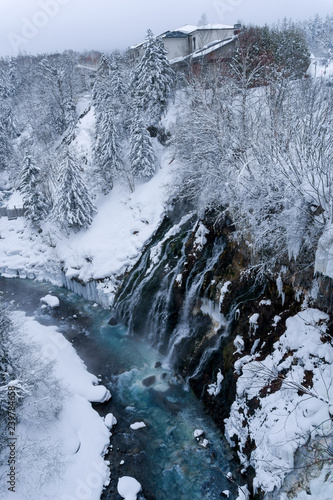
73 208
101 89
107 149
117 85
107 98
34 202
153 79
142 157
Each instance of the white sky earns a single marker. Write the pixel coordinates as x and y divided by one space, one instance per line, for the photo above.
36 26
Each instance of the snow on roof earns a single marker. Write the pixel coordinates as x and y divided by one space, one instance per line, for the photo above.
186 30
189 28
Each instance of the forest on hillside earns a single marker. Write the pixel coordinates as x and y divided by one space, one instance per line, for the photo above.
252 135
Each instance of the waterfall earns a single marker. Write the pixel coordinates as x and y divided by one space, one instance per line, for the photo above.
162 297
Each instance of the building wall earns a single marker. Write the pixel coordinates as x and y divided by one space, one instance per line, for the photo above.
202 37
176 47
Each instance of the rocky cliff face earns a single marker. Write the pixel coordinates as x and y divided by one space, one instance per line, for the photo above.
196 292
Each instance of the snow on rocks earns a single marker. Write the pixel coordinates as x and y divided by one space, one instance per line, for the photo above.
50 300
239 344
110 420
128 487
198 432
276 320
224 290
200 237
243 493
215 389
98 394
204 443
292 392
137 425
265 302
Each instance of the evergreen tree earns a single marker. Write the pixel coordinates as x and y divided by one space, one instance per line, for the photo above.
152 79
108 97
34 203
101 89
141 150
73 208
117 86
6 149
107 150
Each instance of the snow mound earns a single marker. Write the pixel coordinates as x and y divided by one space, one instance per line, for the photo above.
128 487
137 425
50 300
110 420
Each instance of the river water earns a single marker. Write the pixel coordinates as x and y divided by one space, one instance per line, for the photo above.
164 456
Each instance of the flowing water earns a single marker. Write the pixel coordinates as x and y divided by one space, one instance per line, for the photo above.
164 456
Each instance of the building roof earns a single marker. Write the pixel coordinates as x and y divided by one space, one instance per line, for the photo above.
189 28
175 34
186 30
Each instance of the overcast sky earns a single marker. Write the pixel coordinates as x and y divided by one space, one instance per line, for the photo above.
37 26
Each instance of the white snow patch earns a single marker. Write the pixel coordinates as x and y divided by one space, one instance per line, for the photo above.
137 425
239 344
15 200
128 487
198 432
243 493
110 420
50 300
276 320
215 389
200 237
224 290
265 303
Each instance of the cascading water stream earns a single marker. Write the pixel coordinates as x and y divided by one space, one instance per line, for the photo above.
193 288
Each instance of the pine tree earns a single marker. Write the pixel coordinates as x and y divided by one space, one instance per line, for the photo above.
107 97
34 203
117 86
101 89
73 208
152 79
141 150
107 149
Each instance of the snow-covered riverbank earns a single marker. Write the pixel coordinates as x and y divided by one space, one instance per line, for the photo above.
61 439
